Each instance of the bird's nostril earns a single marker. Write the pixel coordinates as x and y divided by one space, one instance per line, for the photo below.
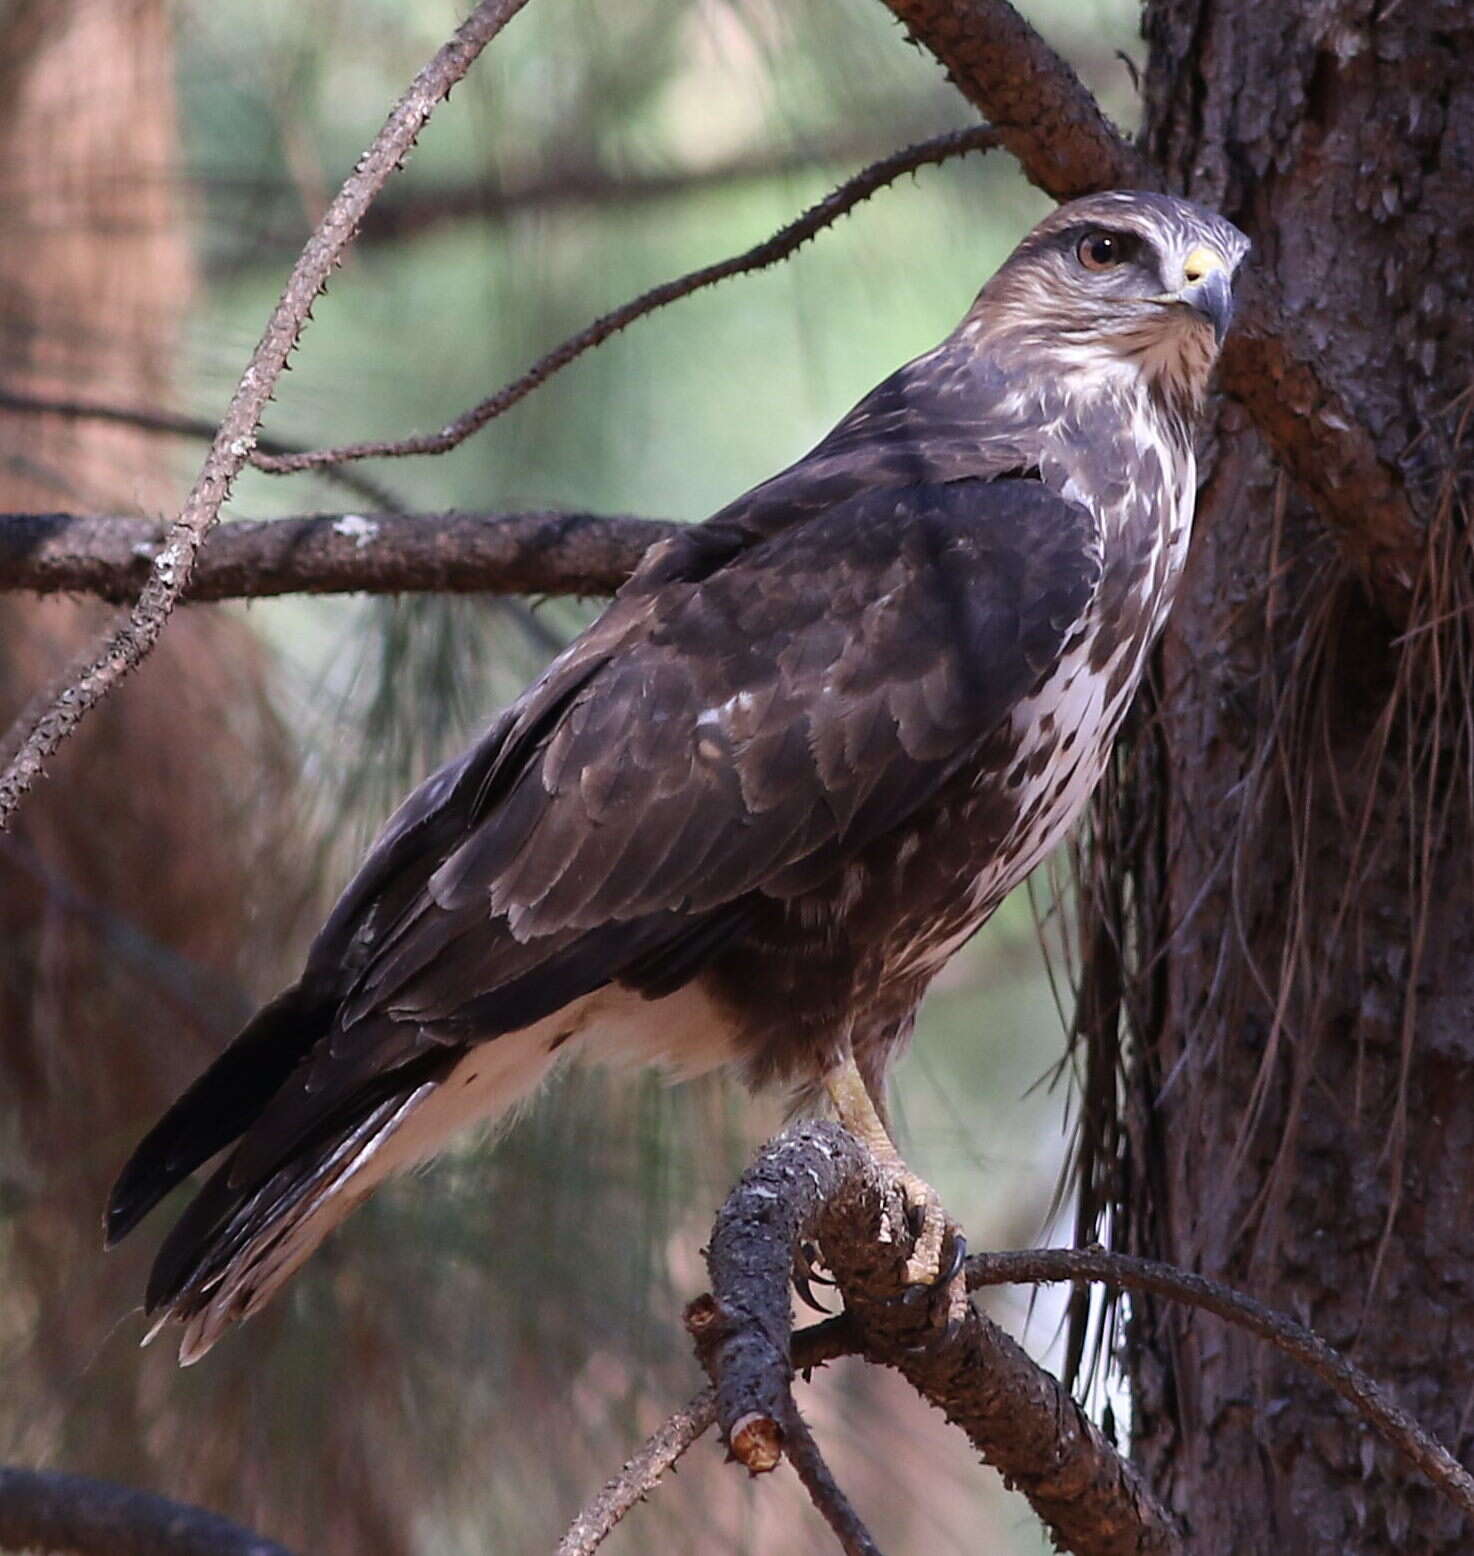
1199 264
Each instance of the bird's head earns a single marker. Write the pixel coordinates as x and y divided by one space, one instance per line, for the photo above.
1115 285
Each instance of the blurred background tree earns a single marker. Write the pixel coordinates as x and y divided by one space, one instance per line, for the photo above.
475 1351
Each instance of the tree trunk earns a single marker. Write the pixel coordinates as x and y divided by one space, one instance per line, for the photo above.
1299 968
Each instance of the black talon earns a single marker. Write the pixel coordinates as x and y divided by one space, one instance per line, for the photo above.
809 1254
954 1264
804 1278
806 1295
940 1289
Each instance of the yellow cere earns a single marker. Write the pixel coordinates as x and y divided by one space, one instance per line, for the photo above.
1201 261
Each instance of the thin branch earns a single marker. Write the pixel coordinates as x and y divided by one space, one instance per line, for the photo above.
816 1180
1043 1266
1065 145
46 1510
639 1477
235 438
824 1491
411 213
769 252
642 1473
172 425
334 553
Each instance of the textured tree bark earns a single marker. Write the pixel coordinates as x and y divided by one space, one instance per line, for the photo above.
1293 824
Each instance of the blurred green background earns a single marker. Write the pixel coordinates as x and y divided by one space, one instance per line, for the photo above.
484 1343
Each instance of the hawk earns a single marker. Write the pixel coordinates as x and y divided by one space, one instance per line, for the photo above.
748 815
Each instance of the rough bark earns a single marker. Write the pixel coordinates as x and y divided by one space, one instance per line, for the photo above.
1301 958
546 552
815 1179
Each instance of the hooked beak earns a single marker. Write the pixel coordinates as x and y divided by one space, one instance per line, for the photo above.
1209 290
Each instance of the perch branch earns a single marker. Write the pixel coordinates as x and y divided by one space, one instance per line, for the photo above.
235 437
380 553
816 1180
1050 122
769 252
1042 1266
640 1476
46 1510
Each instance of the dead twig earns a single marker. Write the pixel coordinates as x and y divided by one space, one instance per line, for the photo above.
639 1477
1042 1266
769 252
46 1510
824 1491
1065 144
235 438
110 556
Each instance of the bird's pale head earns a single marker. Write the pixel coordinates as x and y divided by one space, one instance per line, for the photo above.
1117 285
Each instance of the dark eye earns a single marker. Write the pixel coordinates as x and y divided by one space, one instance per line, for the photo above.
1100 250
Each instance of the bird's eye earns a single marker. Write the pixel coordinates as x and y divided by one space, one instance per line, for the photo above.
1100 250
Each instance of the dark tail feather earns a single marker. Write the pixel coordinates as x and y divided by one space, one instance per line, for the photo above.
225 1216
218 1108
236 1243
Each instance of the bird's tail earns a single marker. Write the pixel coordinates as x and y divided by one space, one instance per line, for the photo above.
221 1105
267 1207
237 1244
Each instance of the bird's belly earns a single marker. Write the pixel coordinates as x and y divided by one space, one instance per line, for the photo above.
1065 734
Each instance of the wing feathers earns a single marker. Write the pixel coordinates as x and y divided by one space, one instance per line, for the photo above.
737 726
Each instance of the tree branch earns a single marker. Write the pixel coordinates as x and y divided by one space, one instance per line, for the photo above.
769 252
816 1180
235 438
824 1491
46 1510
170 424
1042 111
639 1477
1065 145
1046 1265
412 213
334 553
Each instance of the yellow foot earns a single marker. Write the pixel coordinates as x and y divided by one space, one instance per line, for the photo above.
936 1234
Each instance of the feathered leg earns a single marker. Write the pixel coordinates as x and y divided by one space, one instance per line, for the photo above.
858 1112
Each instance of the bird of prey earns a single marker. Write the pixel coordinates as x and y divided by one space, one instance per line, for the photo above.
749 814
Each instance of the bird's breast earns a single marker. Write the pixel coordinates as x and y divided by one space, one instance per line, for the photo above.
1032 781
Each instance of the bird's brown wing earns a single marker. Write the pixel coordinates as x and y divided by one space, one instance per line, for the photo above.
744 719
741 730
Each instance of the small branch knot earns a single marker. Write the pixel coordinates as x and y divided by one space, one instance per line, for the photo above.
756 1443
